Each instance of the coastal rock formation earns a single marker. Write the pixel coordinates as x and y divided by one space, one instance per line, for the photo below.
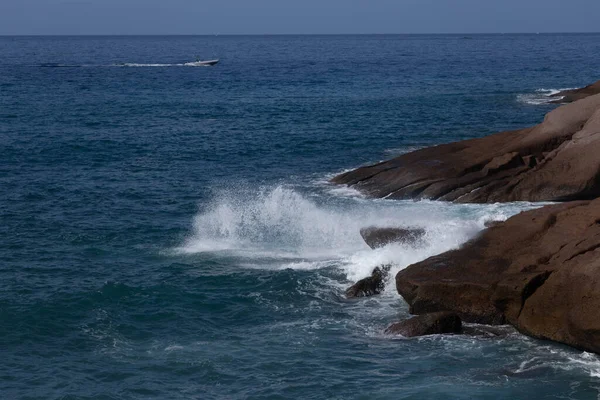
371 285
556 160
538 271
377 237
571 95
427 324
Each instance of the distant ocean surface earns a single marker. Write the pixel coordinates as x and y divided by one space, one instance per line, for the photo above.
169 232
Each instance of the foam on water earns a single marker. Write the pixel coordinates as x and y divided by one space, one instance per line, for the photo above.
324 182
281 227
401 150
549 357
541 96
187 64
138 65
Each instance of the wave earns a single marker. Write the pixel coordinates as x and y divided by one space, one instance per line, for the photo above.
549 357
280 227
541 96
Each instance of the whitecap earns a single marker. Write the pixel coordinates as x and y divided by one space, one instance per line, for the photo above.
280 228
541 96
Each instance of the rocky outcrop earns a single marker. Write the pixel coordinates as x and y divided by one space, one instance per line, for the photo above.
377 237
571 95
371 285
538 271
553 161
427 324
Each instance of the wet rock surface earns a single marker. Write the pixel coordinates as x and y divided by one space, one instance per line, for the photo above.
538 271
427 324
371 285
377 237
571 95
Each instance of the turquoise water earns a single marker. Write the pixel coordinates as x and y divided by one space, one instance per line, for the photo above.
168 232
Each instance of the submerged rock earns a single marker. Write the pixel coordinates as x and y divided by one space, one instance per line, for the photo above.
553 161
377 237
427 324
371 285
538 271
491 223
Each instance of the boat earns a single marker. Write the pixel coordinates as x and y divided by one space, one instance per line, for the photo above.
198 63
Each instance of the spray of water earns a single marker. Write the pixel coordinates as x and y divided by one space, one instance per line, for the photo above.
311 231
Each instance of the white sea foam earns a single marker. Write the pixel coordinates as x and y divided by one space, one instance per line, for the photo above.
145 65
548 357
402 150
541 96
337 190
281 228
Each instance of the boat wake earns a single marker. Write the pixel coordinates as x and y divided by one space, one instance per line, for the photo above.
134 65
209 63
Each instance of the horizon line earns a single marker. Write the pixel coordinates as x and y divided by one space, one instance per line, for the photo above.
303 34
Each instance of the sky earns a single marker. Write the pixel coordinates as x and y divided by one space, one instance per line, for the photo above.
160 17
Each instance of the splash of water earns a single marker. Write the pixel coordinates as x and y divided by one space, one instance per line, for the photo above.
310 231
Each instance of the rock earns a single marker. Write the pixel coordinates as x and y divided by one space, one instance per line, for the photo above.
371 285
569 96
538 271
427 324
491 223
553 161
378 237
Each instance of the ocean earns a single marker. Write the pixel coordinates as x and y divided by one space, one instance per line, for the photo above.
169 232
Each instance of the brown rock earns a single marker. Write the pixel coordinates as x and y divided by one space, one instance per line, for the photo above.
379 237
371 285
538 271
491 223
553 161
427 324
569 96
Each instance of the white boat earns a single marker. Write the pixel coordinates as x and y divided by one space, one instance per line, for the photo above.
208 63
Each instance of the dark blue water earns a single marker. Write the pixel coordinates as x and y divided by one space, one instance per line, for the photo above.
168 231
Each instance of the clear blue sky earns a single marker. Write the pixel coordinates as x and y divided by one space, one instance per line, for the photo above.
296 16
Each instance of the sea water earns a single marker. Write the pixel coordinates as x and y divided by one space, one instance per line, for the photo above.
169 232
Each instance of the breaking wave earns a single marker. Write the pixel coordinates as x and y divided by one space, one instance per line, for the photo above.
550 357
281 227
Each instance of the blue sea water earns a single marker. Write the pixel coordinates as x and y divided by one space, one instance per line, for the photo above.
168 231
